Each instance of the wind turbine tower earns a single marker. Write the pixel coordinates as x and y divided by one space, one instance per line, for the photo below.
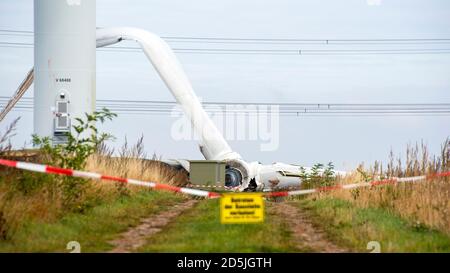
64 64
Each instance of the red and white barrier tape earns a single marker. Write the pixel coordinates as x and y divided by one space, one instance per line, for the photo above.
90 175
358 185
204 186
55 170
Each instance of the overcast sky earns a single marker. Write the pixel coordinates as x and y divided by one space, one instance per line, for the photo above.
304 79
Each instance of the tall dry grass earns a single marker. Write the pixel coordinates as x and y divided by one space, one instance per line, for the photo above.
28 196
424 204
132 162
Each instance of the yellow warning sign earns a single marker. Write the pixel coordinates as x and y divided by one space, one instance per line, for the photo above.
236 208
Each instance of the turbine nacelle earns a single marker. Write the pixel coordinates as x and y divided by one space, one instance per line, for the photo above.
254 176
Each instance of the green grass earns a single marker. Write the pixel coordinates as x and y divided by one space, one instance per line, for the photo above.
354 227
200 230
92 229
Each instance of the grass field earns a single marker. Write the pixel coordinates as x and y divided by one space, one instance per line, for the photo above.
92 229
42 213
344 223
200 230
353 226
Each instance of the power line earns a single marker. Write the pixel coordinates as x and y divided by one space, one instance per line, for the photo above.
16 31
318 42
298 112
293 114
284 109
290 40
269 51
261 103
309 40
264 41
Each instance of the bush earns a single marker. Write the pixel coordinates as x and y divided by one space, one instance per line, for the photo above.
318 177
74 155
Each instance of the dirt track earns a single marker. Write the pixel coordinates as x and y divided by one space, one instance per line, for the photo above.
305 234
136 237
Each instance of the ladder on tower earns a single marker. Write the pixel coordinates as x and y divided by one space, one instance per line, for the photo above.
23 87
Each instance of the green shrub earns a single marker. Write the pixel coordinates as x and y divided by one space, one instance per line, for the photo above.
74 155
319 176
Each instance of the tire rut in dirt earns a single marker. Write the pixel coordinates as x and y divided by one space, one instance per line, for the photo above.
136 237
304 232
